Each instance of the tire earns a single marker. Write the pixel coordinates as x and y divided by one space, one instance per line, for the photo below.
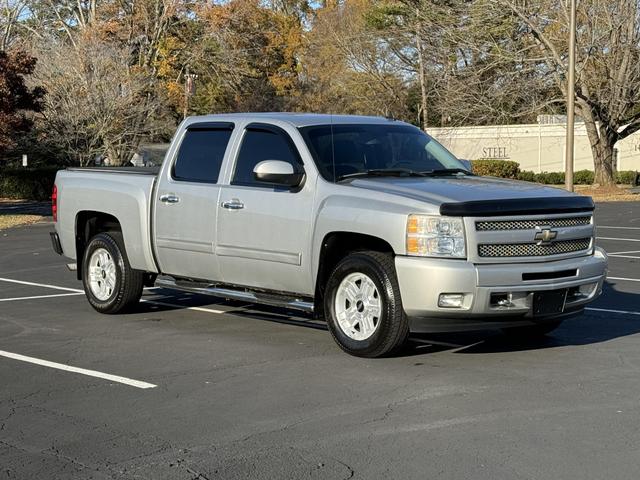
117 286
532 331
373 336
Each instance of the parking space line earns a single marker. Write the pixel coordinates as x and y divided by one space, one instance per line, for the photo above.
611 255
624 279
607 310
621 228
40 296
43 285
81 371
153 302
177 305
618 253
619 239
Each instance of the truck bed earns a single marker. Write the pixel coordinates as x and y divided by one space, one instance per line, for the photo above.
135 170
124 193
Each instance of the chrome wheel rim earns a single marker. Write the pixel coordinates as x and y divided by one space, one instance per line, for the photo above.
358 306
102 274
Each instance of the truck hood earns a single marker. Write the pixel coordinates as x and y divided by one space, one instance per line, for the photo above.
439 190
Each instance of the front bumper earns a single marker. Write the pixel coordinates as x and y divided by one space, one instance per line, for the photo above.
422 280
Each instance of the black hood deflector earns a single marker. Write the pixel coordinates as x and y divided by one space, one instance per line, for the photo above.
518 206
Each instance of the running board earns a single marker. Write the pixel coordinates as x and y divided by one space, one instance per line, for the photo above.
272 299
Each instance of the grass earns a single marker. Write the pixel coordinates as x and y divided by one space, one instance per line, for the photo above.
608 194
10 221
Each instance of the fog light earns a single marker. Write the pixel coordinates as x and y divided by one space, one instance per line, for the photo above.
451 300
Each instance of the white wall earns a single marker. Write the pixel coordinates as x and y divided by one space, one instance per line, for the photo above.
539 148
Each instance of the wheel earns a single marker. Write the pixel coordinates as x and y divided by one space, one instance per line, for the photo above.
363 305
110 284
532 331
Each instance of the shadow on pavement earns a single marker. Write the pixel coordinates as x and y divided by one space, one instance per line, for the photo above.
588 328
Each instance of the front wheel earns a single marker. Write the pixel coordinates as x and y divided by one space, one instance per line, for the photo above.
363 305
110 284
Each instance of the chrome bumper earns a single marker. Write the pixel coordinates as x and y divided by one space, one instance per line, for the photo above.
492 293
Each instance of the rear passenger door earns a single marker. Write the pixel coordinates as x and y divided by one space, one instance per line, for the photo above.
263 228
186 203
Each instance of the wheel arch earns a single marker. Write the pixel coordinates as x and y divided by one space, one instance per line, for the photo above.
89 223
334 247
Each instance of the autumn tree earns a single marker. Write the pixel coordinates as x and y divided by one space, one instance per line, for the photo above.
16 98
347 68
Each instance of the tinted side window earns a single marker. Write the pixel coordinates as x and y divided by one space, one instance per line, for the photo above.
200 155
257 146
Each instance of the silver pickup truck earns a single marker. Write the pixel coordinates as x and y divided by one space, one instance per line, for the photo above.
366 222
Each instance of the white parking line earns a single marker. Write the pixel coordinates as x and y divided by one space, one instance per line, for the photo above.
153 302
82 371
43 285
40 296
607 310
624 279
611 255
619 239
618 253
621 228
177 305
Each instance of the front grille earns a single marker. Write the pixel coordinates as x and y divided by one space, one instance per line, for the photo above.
532 249
492 225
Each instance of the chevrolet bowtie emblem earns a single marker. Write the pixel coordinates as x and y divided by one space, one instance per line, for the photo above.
545 236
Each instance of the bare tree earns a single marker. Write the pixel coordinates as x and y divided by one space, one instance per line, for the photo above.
96 103
608 65
11 12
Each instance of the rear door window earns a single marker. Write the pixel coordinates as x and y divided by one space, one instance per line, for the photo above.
201 153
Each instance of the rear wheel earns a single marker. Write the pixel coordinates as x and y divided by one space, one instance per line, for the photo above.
110 284
363 305
532 331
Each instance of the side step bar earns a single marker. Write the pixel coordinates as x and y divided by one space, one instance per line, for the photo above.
243 295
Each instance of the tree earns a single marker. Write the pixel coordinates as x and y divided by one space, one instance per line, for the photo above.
97 102
607 65
349 68
15 97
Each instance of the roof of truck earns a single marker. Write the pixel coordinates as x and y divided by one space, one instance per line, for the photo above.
295 119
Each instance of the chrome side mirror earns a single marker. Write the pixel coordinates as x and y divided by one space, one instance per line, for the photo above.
277 171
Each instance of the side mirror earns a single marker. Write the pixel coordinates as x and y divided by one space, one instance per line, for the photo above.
277 171
467 164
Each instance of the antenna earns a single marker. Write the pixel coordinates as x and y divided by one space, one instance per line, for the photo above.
333 150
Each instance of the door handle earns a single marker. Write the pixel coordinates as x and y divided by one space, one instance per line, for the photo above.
170 198
233 204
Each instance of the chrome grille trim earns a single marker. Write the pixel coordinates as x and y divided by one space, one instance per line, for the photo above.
497 225
533 249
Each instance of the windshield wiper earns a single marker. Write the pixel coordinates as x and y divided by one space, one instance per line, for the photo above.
445 171
383 172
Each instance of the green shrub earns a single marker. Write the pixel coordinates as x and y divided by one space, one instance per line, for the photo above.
496 168
550 178
626 176
27 183
527 176
583 177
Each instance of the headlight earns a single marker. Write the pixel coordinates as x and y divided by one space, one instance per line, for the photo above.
435 236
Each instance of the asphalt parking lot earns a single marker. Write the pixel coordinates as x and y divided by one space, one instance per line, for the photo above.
207 389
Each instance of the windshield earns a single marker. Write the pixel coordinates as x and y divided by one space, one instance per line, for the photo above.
370 147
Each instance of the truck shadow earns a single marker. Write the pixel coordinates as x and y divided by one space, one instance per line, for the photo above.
591 327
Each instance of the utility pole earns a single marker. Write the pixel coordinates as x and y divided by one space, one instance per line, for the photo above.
571 82
189 90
